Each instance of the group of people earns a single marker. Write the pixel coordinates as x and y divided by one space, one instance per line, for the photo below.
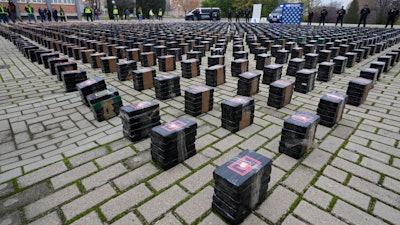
364 12
45 14
88 13
238 13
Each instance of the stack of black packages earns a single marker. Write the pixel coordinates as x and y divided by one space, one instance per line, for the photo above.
358 91
190 68
76 52
148 59
325 71
280 93
360 54
248 83
275 49
295 65
167 87
85 55
65 66
262 60
177 52
296 53
340 64
160 50
194 55
217 51
331 107
309 48
95 60
370 73
305 81
139 118
282 56
216 60
120 51
32 54
71 78
215 75
387 60
90 86
241 185
109 64
379 66
324 56
39 55
52 64
125 69
241 55
105 104
143 78
351 59
239 66
237 113
272 73
173 142
199 100
133 54
298 134
311 61
166 63
47 56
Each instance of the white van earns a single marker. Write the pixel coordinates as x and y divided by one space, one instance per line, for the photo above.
276 15
203 14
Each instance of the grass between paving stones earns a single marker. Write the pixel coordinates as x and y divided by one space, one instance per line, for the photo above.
396 143
360 158
347 180
371 205
332 203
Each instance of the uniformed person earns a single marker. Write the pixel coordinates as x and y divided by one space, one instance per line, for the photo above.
340 15
3 13
392 14
31 13
88 13
115 13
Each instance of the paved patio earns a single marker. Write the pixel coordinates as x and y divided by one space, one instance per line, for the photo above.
58 165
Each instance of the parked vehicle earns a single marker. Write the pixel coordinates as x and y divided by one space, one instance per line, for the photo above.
276 15
202 13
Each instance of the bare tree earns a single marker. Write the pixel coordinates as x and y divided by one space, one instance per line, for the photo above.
185 5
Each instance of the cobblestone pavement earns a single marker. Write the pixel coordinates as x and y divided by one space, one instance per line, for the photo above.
58 165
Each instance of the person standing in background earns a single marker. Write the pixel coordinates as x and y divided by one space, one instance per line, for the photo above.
31 13
115 13
48 13
151 14
62 15
160 14
88 13
238 15
55 14
13 12
363 15
229 15
340 15
42 14
392 14
247 14
3 13
140 14
322 16
310 16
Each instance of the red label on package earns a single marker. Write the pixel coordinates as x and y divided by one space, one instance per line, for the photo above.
174 125
244 165
303 118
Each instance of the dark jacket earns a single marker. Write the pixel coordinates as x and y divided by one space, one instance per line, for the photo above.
364 12
324 13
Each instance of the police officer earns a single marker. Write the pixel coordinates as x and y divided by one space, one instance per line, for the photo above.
392 14
230 15
322 16
88 13
247 14
238 15
160 14
31 16
62 15
340 14
115 13
363 15
310 16
3 13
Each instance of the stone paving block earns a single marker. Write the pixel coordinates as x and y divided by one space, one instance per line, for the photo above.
198 179
385 148
273 145
210 153
314 215
290 220
277 204
20 163
336 174
342 132
356 170
196 206
24 197
348 155
10 219
138 160
375 190
253 142
381 168
51 218
368 152
353 215
125 201
136 176
8 175
115 157
168 219
51 201
343 192
386 212
80 149
5 125
318 197
41 174
212 218
196 161
376 137
317 159
300 178
87 156
42 163
103 176
331 144
391 183
252 219
285 162
6 189
73 175
168 177
128 219
227 143
162 203
87 201
227 156
205 141
8 146
89 219
271 131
